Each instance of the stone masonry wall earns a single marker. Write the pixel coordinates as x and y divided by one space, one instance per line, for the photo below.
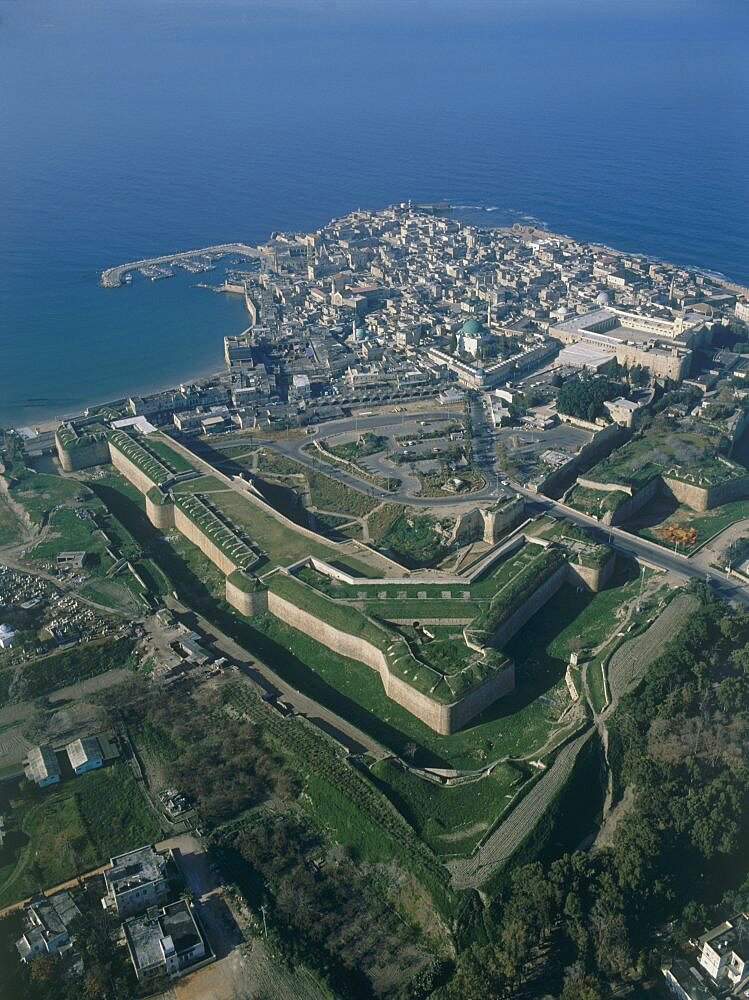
129 470
193 534
496 522
161 515
594 578
83 457
248 604
636 501
443 719
515 622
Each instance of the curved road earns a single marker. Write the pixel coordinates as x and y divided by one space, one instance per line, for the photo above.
623 541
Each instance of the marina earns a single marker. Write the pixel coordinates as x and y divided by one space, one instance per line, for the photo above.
194 261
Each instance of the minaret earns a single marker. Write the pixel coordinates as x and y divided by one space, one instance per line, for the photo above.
488 317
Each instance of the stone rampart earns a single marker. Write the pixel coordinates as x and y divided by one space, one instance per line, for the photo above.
246 603
83 456
480 698
630 507
194 534
706 497
527 610
442 718
130 470
161 515
497 522
594 578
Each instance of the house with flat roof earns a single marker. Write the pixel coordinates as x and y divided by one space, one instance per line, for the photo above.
136 880
42 767
724 950
85 754
46 922
169 942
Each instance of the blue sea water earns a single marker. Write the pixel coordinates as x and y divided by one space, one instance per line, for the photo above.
136 128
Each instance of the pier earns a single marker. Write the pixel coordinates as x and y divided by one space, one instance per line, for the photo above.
113 277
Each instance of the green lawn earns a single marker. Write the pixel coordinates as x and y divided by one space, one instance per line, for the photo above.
70 533
38 493
282 544
114 594
93 816
171 458
450 820
706 524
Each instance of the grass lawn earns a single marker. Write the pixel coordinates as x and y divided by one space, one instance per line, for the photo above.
93 816
38 493
70 533
10 527
329 494
282 544
414 541
450 820
171 458
114 594
705 523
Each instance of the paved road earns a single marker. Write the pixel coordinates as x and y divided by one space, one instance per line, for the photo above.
623 541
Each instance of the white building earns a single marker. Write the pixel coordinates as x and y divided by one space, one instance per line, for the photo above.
85 754
42 767
169 942
725 950
7 635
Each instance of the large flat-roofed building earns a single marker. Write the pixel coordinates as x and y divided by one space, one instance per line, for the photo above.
136 880
169 942
662 346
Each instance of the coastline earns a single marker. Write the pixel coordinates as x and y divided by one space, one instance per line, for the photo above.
52 423
206 373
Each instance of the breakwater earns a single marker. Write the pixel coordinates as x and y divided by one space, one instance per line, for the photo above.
113 277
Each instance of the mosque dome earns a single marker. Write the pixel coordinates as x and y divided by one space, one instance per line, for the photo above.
471 327
603 299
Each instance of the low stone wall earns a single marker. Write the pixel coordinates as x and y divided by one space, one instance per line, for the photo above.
248 604
526 611
636 502
706 497
130 470
193 534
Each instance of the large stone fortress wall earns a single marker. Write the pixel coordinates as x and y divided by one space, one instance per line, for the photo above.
191 516
130 470
442 718
662 346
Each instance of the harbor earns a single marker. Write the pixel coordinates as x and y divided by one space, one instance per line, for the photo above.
194 261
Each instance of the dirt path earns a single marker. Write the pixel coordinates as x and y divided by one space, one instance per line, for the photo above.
501 845
358 740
